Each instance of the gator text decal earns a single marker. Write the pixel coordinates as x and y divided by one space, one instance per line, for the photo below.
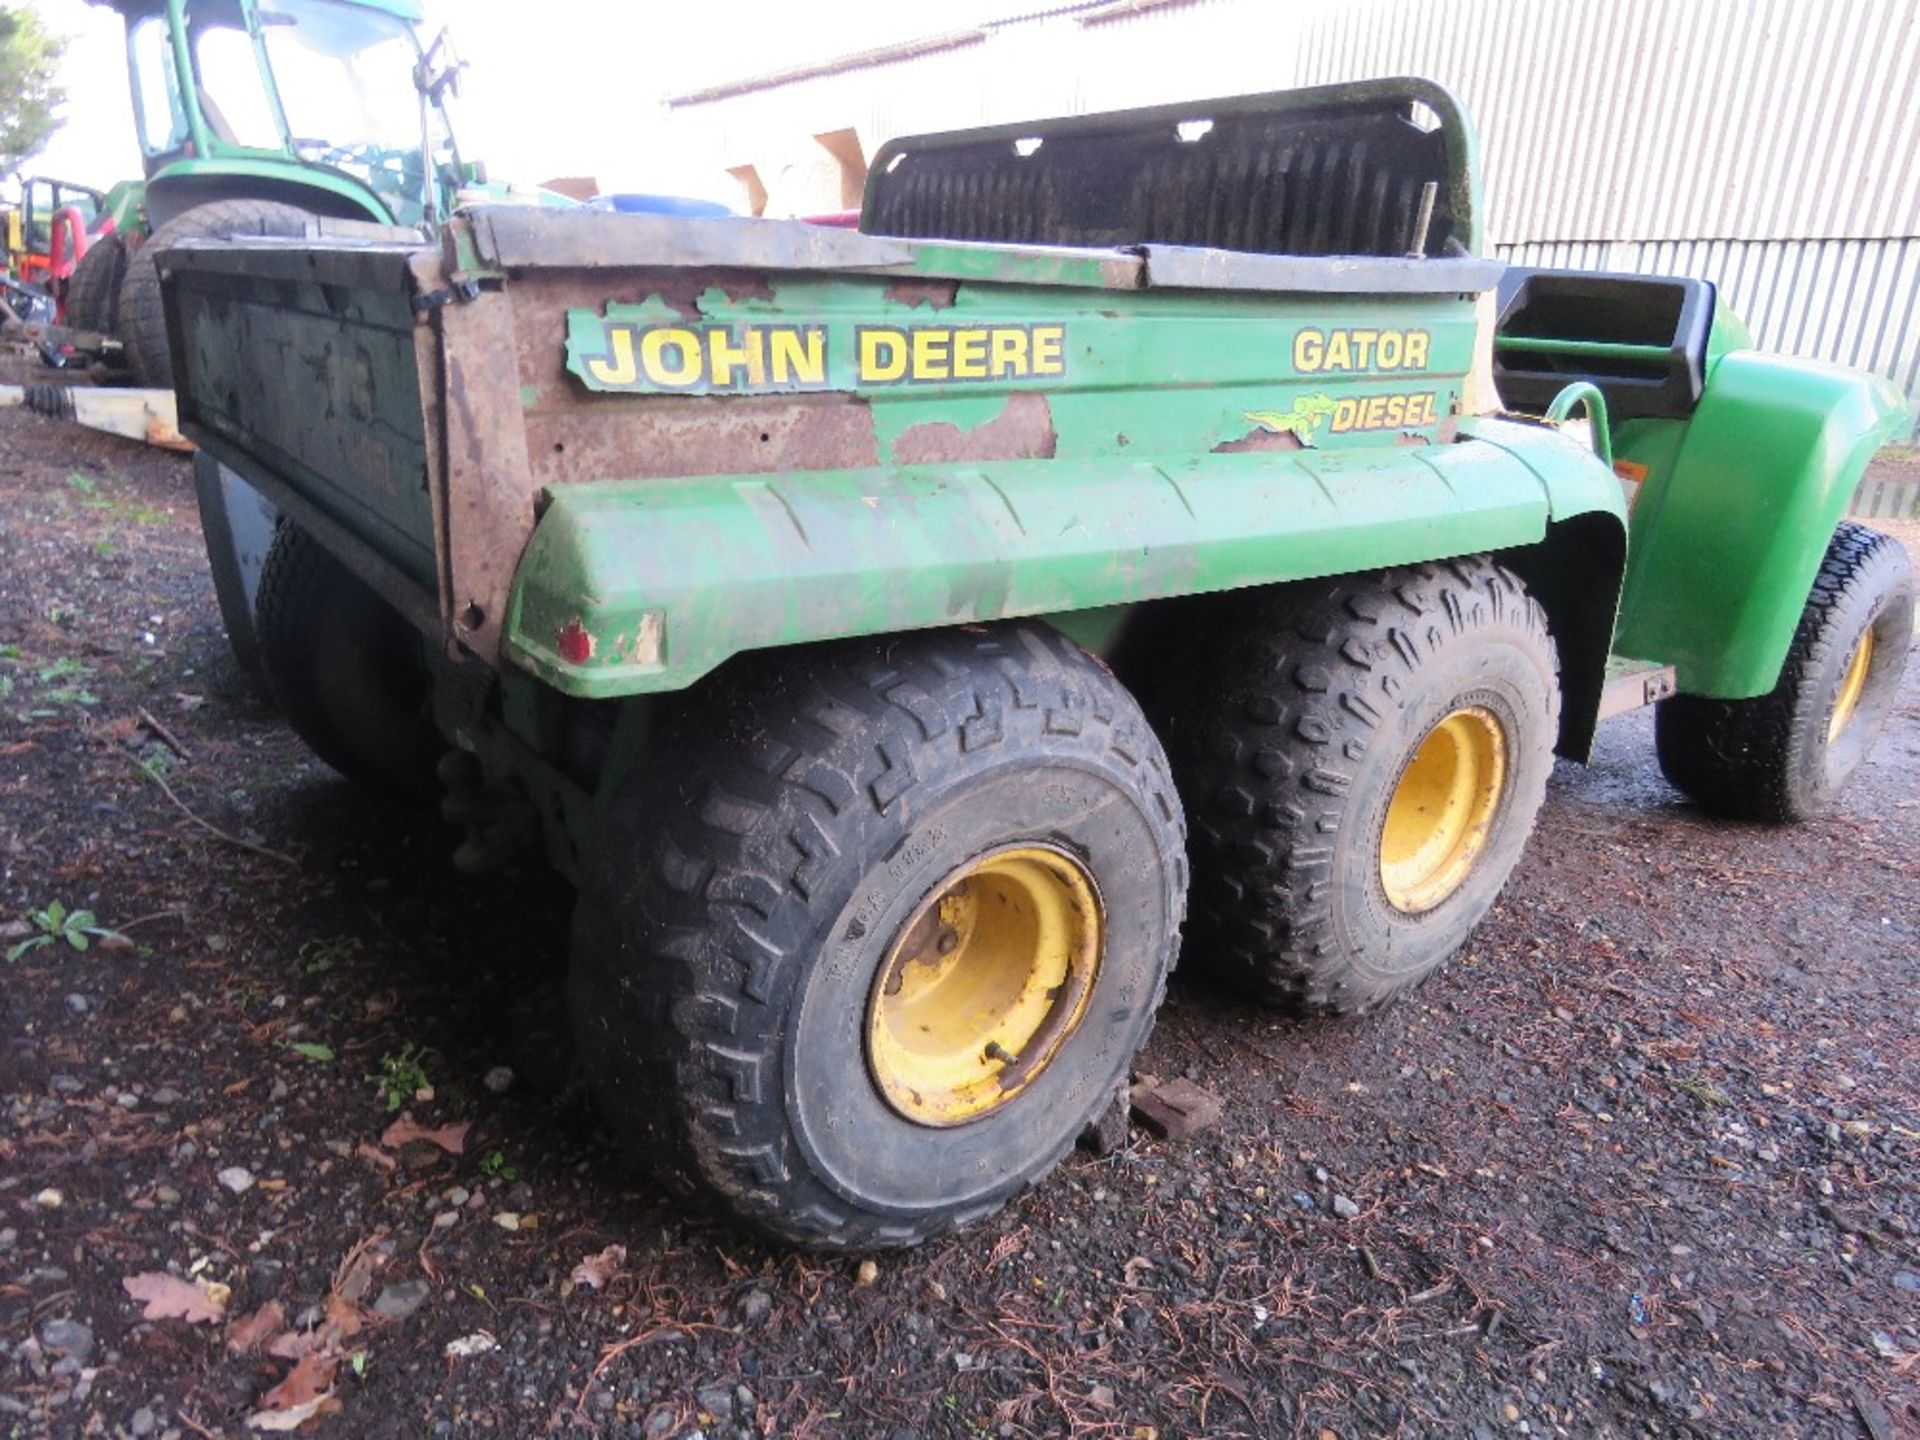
1327 352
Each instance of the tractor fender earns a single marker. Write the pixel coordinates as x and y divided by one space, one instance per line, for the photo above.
631 587
1728 534
187 183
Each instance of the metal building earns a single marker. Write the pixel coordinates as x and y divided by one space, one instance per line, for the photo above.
1771 146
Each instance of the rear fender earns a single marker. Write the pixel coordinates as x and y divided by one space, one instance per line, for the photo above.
1736 510
645 586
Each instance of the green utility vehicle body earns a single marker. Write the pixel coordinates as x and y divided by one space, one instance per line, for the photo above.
884 627
220 113
521 437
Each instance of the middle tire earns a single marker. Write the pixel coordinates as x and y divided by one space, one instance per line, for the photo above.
1363 760
879 935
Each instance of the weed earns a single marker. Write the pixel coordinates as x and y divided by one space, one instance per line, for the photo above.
322 955
309 1050
85 484
1704 1091
495 1167
77 927
401 1077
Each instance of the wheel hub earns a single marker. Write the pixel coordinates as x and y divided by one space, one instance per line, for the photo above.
1853 683
986 981
1443 809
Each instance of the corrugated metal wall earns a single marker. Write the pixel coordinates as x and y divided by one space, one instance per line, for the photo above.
1771 146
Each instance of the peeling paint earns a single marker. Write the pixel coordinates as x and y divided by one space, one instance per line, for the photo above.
1257 440
936 294
1023 430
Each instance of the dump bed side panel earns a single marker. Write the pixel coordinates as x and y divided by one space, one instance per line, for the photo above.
303 367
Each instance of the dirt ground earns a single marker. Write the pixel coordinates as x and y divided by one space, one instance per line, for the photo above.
1641 1162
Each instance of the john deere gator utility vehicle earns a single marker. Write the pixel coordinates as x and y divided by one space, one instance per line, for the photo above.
895 631
257 117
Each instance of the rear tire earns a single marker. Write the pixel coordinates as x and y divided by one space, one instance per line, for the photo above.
140 320
345 668
752 924
1297 753
1784 755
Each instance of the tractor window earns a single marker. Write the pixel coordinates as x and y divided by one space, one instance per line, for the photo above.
233 96
156 89
345 75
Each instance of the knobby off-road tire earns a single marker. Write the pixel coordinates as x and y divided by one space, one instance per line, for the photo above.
1308 715
94 287
140 321
739 928
345 668
1784 755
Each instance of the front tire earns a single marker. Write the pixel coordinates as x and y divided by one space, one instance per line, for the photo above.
862 955
1784 755
1363 760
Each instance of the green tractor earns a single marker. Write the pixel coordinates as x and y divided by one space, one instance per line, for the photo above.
259 117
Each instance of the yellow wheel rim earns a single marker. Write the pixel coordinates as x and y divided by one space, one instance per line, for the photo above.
986 981
1851 685
1443 809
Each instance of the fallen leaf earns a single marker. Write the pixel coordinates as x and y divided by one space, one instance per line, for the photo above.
169 1297
320 1054
343 1317
404 1131
310 1379
377 1155
280 1421
261 1328
596 1270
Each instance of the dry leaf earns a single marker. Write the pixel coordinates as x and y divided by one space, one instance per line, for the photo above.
310 1379
169 1297
596 1270
281 1421
405 1130
342 1322
343 1317
467 1346
263 1327
377 1155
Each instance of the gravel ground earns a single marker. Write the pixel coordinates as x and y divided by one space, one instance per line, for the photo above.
1640 1162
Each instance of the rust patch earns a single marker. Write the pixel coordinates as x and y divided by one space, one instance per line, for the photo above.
644 436
938 294
575 642
682 289
1257 440
1022 431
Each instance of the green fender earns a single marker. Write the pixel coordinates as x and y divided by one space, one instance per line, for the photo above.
1737 509
273 179
633 587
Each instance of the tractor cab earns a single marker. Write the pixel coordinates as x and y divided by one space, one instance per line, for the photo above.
331 105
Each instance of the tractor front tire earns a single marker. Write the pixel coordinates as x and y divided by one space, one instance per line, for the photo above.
139 318
93 289
345 668
865 950
1784 755
1362 761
